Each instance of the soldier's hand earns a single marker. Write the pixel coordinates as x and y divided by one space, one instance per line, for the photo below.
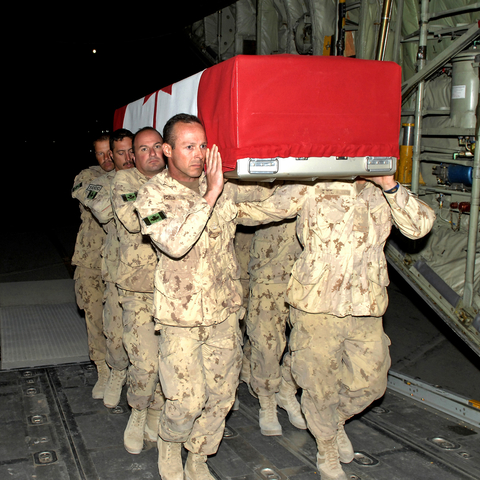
385 182
214 172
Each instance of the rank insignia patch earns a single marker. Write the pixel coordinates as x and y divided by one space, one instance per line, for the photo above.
129 197
156 217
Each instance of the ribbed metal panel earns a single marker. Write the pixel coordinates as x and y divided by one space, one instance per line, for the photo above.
38 335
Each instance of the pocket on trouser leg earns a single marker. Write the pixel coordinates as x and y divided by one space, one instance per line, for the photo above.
181 369
366 369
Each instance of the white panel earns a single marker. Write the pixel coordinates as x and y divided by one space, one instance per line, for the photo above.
139 114
182 100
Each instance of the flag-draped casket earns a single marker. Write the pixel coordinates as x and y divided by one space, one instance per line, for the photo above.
263 107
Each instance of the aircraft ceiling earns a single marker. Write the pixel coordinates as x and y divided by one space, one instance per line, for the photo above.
110 22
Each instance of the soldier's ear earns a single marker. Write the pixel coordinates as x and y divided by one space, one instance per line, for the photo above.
167 150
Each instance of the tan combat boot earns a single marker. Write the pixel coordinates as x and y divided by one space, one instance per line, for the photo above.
103 374
133 435
345 448
169 460
151 425
113 389
287 400
327 460
268 421
196 467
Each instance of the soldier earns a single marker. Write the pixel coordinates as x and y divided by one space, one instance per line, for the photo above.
191 218
337 293
274 250
99 202
135 276
89 285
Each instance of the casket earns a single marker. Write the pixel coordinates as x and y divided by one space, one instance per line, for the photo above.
287 116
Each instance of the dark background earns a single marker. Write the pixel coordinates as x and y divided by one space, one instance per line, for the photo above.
61 92
58 92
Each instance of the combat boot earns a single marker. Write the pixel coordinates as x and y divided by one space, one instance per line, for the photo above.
169 460
133 435
268 421
345 448
151 425
287 400
113 389
327 460
103 372
196 467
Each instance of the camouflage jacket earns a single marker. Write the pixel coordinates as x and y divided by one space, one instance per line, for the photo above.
97 200
137 257
274 250
197 280
90 235
343 227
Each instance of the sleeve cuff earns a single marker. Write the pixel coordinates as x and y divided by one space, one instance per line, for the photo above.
392 190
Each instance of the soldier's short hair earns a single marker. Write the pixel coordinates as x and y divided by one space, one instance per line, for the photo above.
101 137
168 134
118 135
144 129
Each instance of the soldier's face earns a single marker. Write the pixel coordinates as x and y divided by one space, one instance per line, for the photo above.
122 154
104 155
187 159
149 153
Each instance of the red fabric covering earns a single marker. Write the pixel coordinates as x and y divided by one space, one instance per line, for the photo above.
119 117
301 106
285 106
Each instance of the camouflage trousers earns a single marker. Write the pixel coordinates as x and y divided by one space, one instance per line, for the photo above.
89 289
340 363
116 356
141 343
199 369
245 370
266 321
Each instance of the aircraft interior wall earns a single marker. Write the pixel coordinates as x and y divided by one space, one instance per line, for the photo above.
446 161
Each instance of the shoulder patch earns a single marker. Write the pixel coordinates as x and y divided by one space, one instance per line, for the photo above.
154 218
92 190
76 187
129 197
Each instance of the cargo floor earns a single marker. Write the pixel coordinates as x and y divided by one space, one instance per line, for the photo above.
53 429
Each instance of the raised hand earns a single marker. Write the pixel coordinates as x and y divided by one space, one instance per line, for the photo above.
214 172
385 182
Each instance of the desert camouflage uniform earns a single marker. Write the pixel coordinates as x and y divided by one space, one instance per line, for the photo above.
98 201
135 278
337 290
274 250
242 243
89 285
198 304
